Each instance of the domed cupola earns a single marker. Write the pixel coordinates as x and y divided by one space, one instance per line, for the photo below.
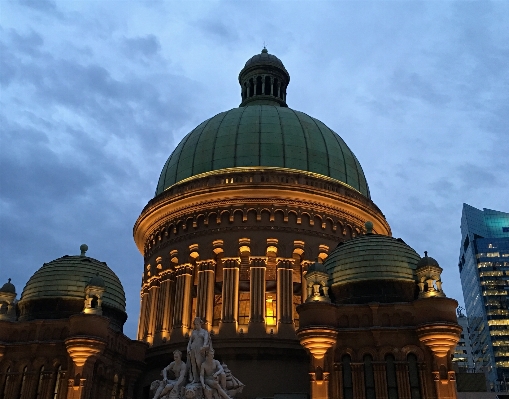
428 275
264 80
372 268
60 288
8 301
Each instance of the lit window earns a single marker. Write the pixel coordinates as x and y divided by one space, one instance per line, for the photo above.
493 254
270 310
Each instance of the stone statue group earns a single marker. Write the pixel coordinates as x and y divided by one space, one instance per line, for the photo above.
206 377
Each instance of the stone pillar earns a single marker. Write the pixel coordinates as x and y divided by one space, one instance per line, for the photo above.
359 391
142 328
205 295
230 310
263 84
167 290
285 298
257 296
424 378
337 387
402 378
45 385
153 294
380 373
271 86
182 302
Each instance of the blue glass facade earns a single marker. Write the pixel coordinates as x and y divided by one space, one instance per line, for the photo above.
484 271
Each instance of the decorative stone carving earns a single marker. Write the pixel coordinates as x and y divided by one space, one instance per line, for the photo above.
316 281
199 343
428 275
215 380
171 386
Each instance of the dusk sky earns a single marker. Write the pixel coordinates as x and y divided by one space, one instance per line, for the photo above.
95 95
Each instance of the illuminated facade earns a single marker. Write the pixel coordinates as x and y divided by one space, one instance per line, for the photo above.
63 339
248 212
484 271
262 225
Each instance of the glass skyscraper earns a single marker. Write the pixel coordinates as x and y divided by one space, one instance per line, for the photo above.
484 271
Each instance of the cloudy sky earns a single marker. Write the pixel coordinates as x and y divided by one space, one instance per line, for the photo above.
94 96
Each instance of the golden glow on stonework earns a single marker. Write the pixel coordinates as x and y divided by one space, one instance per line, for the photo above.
258 168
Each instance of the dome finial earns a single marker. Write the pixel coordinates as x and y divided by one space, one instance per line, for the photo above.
369 227
264 80
426 254
8 280
83 249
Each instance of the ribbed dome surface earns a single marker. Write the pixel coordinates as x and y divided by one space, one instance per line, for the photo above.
67 277
8 287
372 257
264 59
263 135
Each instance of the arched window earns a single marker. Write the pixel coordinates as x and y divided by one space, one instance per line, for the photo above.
413 375
39 383
56 384
392 384
94 302
22 383
347 377
6 383
369 377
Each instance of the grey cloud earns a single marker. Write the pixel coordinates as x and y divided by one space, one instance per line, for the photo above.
474 177
411 84
46 6
141 46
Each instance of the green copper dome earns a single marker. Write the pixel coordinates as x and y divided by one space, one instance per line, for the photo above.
372 257
266 136
372 268
67 278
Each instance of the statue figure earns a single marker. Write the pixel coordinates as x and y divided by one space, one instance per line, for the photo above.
233 385
178 368
213 377
199 343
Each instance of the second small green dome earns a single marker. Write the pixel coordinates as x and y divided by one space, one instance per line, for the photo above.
265 136
372 257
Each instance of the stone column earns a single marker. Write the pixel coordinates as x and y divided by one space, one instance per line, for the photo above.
205 295
263 84
257 296
141 322
271 86
285 298
182 302
423 376
153 293
167 291
230 310
359 391
45 386
337 387
380 373
402 378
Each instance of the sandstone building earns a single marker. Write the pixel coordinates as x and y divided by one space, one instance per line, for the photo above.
263 226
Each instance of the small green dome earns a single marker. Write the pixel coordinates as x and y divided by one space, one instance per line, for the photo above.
67 277
8 288
266 136
373 267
